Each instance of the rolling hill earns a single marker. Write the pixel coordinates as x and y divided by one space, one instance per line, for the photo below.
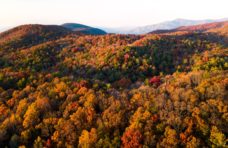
84 29
219 27
28 35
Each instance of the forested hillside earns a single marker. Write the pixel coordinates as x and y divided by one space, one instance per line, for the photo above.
63 89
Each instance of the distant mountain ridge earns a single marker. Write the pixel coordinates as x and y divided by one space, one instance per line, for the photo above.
3 28
164 26
216 27
167 25
83 29
75 27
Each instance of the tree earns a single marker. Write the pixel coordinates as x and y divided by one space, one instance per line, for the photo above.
38 143
21 83
14 141
193 142
156 81
170 140
22 107
65 133
88 139
31 116
132 138
217 138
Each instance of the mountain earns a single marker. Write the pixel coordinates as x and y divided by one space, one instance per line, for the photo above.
169 25
24 35
2 28
215 27
60 89
219 27
83 29
118 30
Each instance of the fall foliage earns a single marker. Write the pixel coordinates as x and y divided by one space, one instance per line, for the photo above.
61 89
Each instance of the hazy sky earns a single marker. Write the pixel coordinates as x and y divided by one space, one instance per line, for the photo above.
109 13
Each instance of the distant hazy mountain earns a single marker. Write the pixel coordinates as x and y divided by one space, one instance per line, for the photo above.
118 30
215 27
2 28
83 29
167 25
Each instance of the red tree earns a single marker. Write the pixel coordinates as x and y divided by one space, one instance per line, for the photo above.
132 139
156 80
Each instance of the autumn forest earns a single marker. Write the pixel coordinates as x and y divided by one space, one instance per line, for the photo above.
165 89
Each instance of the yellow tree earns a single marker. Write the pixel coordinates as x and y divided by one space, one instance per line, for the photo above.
170 140
217 138
31 116
88 139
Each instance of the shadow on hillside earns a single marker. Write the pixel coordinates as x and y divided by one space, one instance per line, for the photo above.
209 36
166 53
169 45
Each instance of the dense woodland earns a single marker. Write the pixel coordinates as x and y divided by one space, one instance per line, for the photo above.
62 89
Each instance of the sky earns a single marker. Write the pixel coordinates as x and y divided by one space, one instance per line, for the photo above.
108 13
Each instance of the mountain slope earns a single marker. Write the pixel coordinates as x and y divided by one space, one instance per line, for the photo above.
215 30
84 29
24 35
112 90
209 27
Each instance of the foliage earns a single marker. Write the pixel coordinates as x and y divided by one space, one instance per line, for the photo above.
59 89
